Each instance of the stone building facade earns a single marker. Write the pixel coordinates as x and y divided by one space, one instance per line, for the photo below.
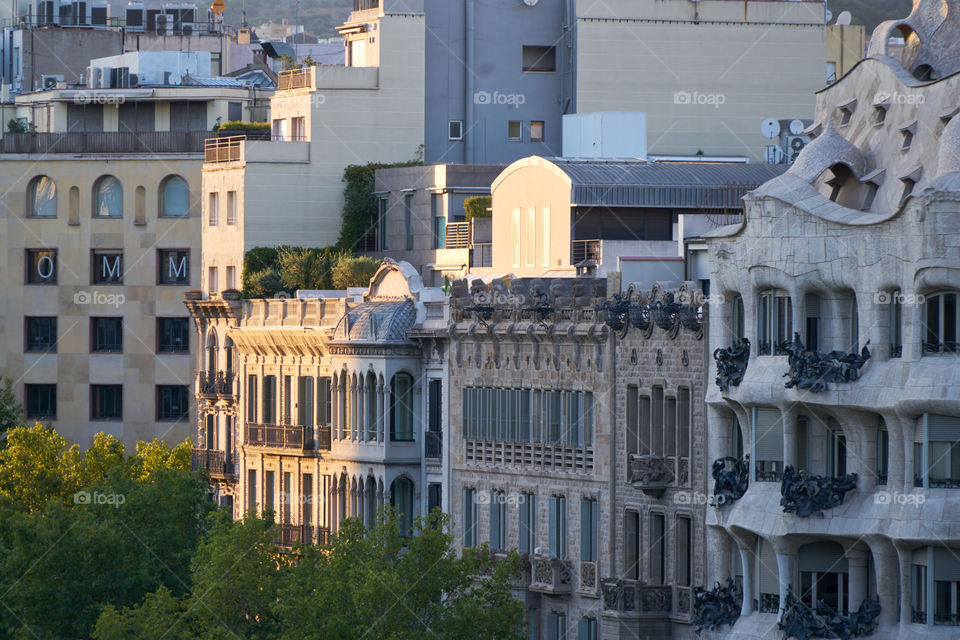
855 251
575 440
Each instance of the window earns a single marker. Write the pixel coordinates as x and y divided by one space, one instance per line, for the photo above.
536 131
870 196
279 129
173 335
883 451
401 407
556 626
498 518
188 115
545 236
212 280
918 592
515 229
85 117
631 546
908 186
527 523
811 302
106 335
469 518
269 490
558 527
136 116
107 267
846 114
587 629
41 266
589 529
172 402
231 278
879 115
658 548
401 499
41 401
106 402
325 402
213 209
774 322
531 244
768 444
231 208
383 207
174 198
42 198
455 130
173 266
439 221
684 575
298 129
941 437
107 198
41 334
252 398
515 130
941 323
907 139
895 324
305 401
269 399
408 219
234 111
539 59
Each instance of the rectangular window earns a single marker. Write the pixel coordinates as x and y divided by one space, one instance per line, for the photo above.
383 206
278 129
539 59
172 402
231 278
683 422
106 402
213 209
251 398
657 422
516 237
439 221
556 626
251 490
212 280
527 523
269 399
558 527
325 402
554 409
883 453
455 130
269 490
107 267
587 629
515 130
41 401
188 115
231 207
305 401
469 518
536 131
106 335
173 266
40 334
498 517
434 496
545 236
287 399
684 551
408 219
631 545
41 267
895 320
589 530
298 129
173 335
531 244
774 322
645 415
658 548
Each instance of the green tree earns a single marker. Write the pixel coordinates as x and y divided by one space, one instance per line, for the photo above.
359 201
478 207
36 466
11 413
307 268
353 271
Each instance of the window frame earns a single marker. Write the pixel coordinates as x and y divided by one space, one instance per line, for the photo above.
167 349
169 415
32 187
95 391
29 277
98 200
29 389
162 193
450 129
27 325
94 330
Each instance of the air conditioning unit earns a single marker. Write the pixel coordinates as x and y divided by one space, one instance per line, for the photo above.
50 81
188 29
93 77
134 80
164 24
795 144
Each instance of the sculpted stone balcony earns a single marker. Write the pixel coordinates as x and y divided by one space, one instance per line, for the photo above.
646 600
550 575
216 383
651 474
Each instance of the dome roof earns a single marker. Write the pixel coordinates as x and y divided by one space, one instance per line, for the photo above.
377 321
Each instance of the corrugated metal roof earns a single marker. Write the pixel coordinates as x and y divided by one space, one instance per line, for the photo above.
674 185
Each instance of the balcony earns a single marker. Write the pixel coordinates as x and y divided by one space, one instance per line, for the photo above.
290 535
433 445
287 437
296 79
458 235
550 575
807 494
217 463
223 149
218 383
651 474
646 600
586 252
80 142
324 437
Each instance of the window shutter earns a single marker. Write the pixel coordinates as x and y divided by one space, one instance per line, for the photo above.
523 526
946 564
769 582
768 434
554 542
823 557
595 529
943 428
586 546
583 630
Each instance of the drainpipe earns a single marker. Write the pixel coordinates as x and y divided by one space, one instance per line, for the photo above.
470 32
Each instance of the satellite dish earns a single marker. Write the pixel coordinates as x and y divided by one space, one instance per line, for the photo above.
845 19
828 16
770 128
175 79
796 127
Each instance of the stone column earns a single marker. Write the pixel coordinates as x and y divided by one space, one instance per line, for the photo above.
786 571
912 318
381 418
887 570
904 559
858 575
749 579
790 452
361 414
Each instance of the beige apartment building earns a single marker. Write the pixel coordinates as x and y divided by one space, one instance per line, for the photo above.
102 229
706 73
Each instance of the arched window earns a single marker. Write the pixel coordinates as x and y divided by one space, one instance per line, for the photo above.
401 407
42 198
401 499
174 197
107 198
212 353
941 323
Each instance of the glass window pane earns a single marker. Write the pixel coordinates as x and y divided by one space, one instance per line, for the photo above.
176 197
108 198
43 198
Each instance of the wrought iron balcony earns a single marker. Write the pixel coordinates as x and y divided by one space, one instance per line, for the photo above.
648 601
768 603
76 142
433 445
586 252
732 364
219 383
550 575
324 437
651 474
716 608
802 621
808 495
814 370
290 535
277 436
731 479
217 463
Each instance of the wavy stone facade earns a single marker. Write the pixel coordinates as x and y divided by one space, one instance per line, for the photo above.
858 245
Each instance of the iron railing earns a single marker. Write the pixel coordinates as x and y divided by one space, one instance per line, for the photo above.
217 463
324 437
290 535
586 251
295 79
223 149
433 445
213 383
276 436
458 235
106 142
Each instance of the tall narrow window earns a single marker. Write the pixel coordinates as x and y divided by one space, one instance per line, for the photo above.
325 401
531 244
516 237
811 303
383 205
469 517
305 401
251 490
231 207
269 399
645 415
251 398
895 320
633 422
737 323
408 219
589 530
683 422
658 548
498 516
941 323
527 523
269 490
536 131
774 322
213 209
401 408
631 546
768 444
684 551
545 236
558 527
657 422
